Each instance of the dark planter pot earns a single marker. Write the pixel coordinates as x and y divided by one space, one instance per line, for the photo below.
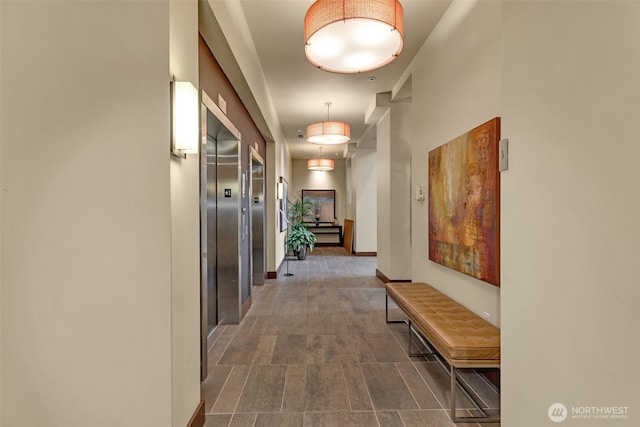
302 253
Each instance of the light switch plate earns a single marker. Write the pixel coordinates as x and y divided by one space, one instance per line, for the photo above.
222 104
503 155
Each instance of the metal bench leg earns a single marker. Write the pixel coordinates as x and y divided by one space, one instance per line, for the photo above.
412 332
386 311
408 322
453 394
484 418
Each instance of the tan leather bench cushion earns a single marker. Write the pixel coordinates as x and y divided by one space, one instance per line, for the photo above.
461 336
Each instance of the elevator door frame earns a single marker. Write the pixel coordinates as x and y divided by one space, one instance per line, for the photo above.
253 156
207 105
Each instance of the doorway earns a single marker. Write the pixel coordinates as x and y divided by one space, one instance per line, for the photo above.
257 230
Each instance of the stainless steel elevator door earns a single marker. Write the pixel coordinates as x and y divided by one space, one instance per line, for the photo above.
219 224
221 294
228 228
211 231
257 220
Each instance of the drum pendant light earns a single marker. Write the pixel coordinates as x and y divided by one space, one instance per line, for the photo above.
353 36
320 164
328 132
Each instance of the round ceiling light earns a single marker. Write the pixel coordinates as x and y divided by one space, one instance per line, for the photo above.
320 164
353 36
328 132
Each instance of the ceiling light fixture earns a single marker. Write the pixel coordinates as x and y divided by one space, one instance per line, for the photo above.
328 132
320 164
353 36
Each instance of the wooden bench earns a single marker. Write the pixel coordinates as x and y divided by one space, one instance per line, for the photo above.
459 337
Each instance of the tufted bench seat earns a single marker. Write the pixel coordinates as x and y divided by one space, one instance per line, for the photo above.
459 336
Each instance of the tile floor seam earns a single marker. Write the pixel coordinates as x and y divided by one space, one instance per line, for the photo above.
221 353
344 380
217 337
218 396
441 403
407 384
244 384
284 387
366 386
428 386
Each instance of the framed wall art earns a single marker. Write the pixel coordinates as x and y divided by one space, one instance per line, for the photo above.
464 203
284 205
324 205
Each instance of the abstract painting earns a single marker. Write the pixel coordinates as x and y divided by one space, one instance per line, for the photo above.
464 203
324 205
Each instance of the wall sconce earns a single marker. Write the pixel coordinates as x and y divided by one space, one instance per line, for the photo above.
184 119
280 190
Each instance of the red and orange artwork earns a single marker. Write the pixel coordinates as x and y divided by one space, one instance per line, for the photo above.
464 203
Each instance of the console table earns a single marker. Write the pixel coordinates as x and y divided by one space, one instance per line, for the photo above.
327 234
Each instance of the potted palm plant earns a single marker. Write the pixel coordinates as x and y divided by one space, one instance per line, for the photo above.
299 236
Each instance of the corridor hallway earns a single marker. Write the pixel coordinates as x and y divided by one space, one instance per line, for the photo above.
315 350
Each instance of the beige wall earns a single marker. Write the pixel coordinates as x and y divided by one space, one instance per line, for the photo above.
1 210
283 168
271 208
565 78
456 86
86 214
101 264
571 209
185 230
383 197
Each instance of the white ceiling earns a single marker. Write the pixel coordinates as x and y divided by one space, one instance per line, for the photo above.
299 90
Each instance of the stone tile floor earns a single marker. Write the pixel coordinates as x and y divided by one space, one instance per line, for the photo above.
315 350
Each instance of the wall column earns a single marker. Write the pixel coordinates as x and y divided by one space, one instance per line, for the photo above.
364 200
394 190
185 230
87 291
